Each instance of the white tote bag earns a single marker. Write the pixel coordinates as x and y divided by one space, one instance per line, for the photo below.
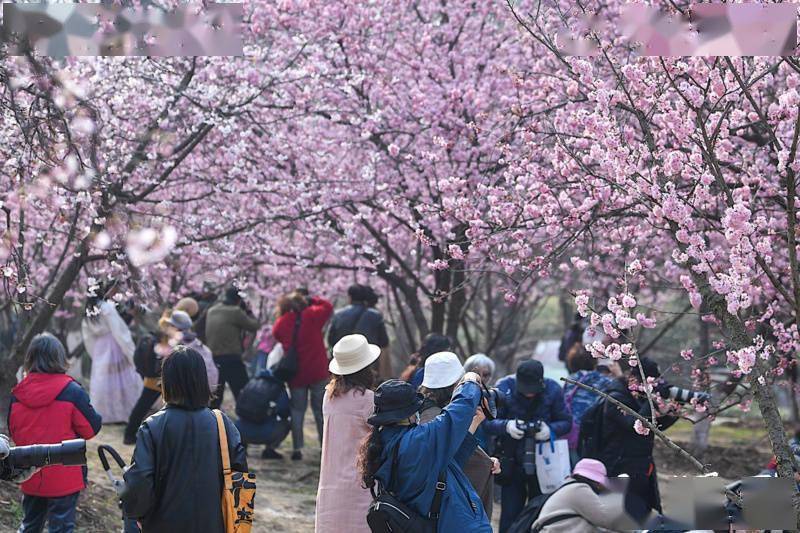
552 464
275 355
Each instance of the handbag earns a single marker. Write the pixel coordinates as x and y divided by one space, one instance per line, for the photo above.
238 491
287 367
552 464
387 514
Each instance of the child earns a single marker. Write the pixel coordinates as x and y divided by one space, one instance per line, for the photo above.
48 407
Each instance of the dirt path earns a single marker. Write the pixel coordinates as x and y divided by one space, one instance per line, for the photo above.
286 491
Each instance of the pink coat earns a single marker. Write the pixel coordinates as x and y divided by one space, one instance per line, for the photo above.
341 501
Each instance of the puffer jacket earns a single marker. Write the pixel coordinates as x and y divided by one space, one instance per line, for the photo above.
576 508
174 484
48 409
424 451
548 406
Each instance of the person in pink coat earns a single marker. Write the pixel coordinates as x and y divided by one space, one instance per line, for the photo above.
342 501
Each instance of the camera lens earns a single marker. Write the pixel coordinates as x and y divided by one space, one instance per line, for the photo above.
69 452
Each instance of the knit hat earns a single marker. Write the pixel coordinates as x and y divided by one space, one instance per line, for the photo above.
442 370
591 469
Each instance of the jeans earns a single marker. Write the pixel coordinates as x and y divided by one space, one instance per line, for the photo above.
145 402
298 402
58 512
231 371
514 496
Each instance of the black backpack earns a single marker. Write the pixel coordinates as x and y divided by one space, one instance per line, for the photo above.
590 437
529 515
144 357
258 399
387 514
286 368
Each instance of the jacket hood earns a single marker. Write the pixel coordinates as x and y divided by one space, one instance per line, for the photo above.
40 390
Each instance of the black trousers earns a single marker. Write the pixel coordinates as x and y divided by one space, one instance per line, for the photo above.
231 371
143 405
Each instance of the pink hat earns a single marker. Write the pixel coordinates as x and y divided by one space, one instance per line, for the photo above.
591 469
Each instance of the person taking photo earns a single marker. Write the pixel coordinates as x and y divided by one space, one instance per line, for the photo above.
533 411
408 459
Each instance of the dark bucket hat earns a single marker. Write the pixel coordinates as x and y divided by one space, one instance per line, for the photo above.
395 400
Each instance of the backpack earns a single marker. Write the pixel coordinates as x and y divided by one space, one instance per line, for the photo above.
287 367
590 436
144 358
529 515
258 399
387 514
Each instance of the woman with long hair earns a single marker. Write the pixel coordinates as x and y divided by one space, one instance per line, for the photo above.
342 502
114 385
175 480
312 358
420 455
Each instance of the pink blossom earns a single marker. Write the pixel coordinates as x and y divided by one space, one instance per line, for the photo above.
640 428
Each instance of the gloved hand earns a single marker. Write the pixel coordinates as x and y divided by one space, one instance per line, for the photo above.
5 447
543 433
513 430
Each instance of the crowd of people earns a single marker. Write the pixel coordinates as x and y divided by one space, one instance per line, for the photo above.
438 439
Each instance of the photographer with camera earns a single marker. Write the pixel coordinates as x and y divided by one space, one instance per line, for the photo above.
48 407
443 371
533 409
418 468
624 450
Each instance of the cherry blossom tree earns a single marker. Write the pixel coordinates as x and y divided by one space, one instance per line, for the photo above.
682 171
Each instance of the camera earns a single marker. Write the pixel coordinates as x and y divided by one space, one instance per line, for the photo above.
69 452
680 395
494 400
529 444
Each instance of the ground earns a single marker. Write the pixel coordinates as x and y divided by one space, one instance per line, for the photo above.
286 490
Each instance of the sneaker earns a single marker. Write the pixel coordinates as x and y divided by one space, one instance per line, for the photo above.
269 453
297 455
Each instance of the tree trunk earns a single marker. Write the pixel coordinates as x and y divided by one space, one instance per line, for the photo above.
702 430
13 360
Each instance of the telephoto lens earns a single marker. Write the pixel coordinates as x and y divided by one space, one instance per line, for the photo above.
69 452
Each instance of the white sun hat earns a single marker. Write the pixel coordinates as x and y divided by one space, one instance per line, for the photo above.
442 370
351 354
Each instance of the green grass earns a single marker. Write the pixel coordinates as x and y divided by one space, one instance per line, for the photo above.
744 433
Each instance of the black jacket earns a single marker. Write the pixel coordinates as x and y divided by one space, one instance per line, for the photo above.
145 358
357 318
174 484
624 450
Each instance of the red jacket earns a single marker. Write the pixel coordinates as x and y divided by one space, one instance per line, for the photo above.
312 357
46 409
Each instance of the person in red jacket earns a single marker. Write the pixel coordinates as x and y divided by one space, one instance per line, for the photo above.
312 358
48 407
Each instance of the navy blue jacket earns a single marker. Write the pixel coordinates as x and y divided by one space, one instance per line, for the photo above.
425 450
548 406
